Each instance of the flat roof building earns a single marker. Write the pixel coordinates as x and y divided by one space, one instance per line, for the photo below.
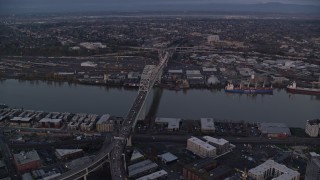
201 148
207 125
27 160
141 168
274 129
222 145
156 175
272 169
68 153
167 157
104 124
173 124
50 123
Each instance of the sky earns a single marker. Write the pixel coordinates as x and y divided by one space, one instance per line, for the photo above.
27 6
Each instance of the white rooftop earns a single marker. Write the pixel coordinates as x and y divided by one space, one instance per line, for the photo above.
141 167
168 157
193 72
213 140
63 152
103 119
136 155
175 71
25 119
202 143
172 122
207 123
269 164
50 120
154 175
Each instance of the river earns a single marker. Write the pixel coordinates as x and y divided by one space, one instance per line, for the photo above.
292 109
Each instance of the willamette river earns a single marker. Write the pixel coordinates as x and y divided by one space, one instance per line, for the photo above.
292 109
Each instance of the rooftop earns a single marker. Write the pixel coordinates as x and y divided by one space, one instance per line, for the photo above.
103 119
26 157
24 119
63 152
154 175
213 140
269 164
274 128
50 120
141 167
172 122
136 155
202 143
207 123
168 157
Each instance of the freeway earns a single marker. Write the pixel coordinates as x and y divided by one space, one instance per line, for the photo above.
234 140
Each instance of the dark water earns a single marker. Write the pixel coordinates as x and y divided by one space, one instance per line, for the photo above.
292 109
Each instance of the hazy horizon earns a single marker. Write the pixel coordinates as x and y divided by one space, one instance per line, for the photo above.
57 6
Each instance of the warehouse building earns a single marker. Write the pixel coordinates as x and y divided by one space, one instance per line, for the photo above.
274 130
141 168
272 169
207 125
50 123
172 124
27 160
65 154
21 121
162 174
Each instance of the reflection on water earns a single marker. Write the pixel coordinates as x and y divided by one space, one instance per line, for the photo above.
293 109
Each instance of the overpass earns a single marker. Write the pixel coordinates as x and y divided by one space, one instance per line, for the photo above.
113 149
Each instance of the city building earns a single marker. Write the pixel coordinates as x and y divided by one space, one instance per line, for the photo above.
167 157
207 125
205 169
313 127
201 148
65 154
313 169
21 121
213 39
104 124
274 130
27 160
222 145
272 169
172 124
141 168
162 174
50 123
79 162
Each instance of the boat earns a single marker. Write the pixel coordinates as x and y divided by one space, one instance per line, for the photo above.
292 88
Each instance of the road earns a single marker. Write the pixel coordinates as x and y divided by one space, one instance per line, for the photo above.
234 140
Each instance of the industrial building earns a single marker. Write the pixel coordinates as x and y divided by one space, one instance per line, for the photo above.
205 169
207 125
274 130
172 124
162 174
222 145
27 160
141 168
50 123
104 124
65 154
89 122
272 169
201 148
313 127
167 157
21 121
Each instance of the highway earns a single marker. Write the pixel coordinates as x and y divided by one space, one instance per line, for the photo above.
113 149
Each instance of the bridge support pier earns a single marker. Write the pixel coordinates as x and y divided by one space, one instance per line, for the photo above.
129 143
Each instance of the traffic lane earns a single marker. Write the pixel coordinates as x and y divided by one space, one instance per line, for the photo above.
235 140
